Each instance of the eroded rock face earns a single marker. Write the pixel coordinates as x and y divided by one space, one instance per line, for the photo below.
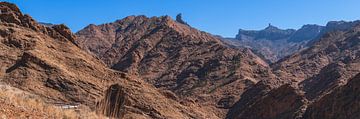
284 102
113 105
342 103
173 56
137 99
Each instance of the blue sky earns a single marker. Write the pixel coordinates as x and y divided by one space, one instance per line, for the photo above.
220 17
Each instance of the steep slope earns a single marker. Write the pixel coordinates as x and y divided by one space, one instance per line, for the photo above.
45 62
333 51
342 103
16 103
173 56
316 72
284 102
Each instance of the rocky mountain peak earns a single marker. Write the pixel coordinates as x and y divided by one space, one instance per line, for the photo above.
270 27
9 7
180 20
42 61
176 57
65 31
10 14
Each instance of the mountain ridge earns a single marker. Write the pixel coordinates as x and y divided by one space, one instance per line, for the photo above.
44 61
174 56
274 44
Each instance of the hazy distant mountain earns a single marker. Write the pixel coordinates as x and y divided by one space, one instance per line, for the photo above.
274 43
271 33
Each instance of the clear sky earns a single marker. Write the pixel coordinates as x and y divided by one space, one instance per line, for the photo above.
220 17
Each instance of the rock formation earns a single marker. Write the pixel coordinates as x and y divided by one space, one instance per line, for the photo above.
113 105
180 20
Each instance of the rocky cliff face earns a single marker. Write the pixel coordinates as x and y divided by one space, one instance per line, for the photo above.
274 43
44 61
269 33
176 57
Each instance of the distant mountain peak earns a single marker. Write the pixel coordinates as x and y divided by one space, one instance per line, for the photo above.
271 27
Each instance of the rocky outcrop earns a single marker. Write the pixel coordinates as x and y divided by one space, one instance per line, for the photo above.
173 56
180 20
65 31
114 102
342 103
11 14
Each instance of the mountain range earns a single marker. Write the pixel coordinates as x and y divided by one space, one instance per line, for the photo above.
273 43
157 67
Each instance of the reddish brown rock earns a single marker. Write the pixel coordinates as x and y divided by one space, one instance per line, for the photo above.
327 64
45 62
317 71
284 102
342 103
65 32
174 56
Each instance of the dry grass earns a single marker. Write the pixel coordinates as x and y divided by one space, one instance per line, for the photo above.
16 103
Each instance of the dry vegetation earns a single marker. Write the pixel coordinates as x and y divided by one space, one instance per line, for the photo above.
16 103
